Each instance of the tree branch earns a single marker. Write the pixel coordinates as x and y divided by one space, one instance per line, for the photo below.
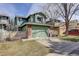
60 14
61 10
70 7
75 10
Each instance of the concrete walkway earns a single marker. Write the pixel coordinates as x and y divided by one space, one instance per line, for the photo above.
61 47
54 54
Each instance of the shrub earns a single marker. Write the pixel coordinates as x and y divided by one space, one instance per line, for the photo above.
74 39
8 39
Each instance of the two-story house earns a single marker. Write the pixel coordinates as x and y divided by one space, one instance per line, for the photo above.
34 25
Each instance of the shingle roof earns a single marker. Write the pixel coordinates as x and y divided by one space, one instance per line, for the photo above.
29 23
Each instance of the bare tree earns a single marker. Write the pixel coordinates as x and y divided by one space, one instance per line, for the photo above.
64 10
49 11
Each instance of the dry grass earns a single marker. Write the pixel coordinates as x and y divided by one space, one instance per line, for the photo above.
18 48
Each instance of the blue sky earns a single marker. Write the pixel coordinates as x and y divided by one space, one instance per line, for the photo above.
22 9
13 9
18 9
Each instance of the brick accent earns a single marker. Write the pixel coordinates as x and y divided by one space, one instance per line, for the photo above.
29 31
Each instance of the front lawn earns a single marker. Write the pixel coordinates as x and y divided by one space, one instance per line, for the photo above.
71 38
27 48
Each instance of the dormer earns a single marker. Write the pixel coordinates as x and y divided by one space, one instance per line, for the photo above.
37 18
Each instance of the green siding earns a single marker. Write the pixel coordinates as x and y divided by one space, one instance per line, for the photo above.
39 31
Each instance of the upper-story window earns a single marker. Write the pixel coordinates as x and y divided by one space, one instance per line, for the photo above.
39 19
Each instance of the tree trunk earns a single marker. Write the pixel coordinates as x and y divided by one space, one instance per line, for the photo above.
67 27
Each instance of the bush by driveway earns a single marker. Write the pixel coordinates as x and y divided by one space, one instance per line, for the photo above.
71 38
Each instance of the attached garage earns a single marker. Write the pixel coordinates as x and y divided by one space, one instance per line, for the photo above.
39 31
34 30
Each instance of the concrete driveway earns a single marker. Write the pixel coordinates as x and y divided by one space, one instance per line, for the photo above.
62 47
65 48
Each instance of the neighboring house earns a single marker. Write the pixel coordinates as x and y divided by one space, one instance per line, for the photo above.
59 28
62 29
55 26
74 32
54 22
4 26
19 20
34 25
72 25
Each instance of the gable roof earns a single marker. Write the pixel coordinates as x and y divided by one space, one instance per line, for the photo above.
40 13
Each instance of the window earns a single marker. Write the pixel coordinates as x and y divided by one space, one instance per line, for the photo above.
39 19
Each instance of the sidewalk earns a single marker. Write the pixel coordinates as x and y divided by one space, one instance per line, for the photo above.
54 54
